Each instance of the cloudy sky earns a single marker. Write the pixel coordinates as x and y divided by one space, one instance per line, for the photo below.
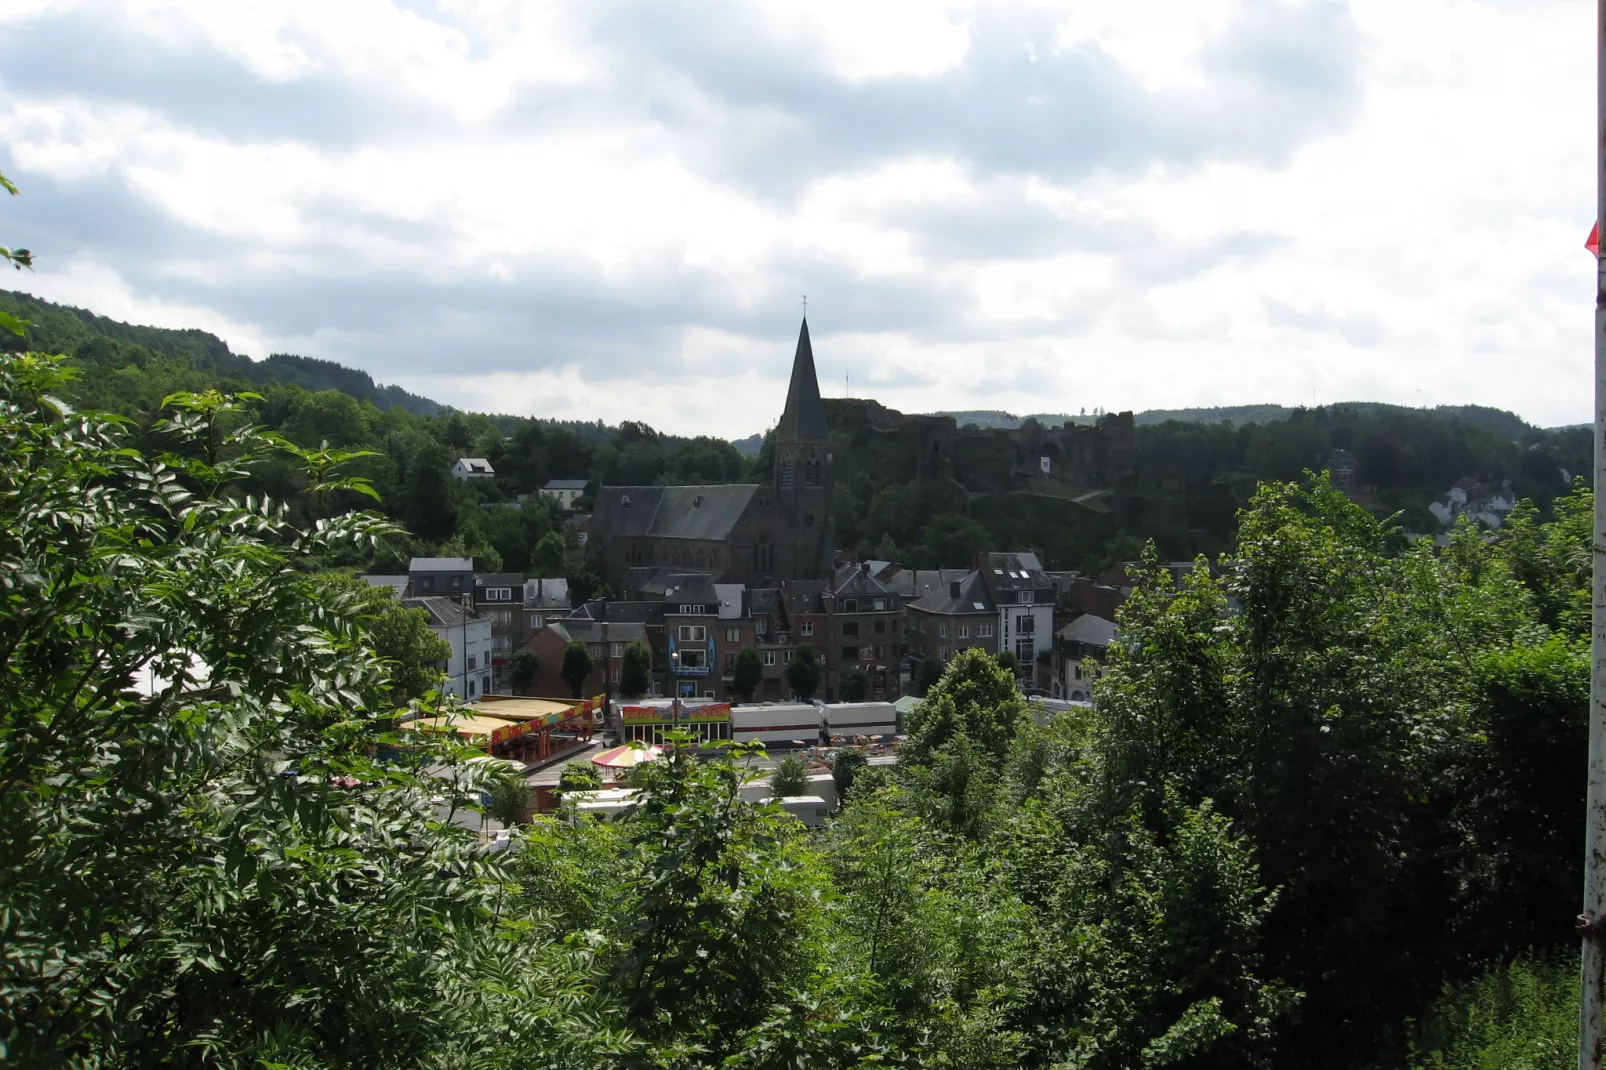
612 208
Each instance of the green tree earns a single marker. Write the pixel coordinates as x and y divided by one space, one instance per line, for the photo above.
510 799
579 776
803 673
747 674
635 670
414 655
930 673
845 767
185 866
576 667
723 894
523 667
852 684
976 698
1009 662
791 777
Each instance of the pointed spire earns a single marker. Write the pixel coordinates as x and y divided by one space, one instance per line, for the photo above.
804 417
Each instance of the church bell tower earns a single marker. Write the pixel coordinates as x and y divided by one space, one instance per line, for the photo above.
803 469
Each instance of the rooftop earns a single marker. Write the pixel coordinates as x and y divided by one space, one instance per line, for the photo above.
441 564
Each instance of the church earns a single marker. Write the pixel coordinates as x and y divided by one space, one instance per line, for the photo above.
750 533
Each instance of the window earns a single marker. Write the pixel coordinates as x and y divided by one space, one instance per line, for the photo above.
984 631
471 661
880 605
708 694
733 635
1025 624
535 620
881 627
693 633
964 631
457 583
942 628
850 627
613 675
499 594
807 627
849 605
850 653
786 471
485 686
1023 596
769 657
942 653
878 654
1025 650
616 650
693 658
730 662
1078 671
471 689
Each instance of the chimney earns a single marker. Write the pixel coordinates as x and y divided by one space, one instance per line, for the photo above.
953 589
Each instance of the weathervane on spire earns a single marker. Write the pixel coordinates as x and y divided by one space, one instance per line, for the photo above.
805 306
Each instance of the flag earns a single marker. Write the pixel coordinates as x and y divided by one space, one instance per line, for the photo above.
1592 243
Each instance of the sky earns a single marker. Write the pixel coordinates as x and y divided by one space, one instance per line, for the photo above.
613 209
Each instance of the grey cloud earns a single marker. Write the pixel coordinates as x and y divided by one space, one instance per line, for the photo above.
1284 76
1356 328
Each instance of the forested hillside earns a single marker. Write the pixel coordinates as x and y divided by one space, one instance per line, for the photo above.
1192 474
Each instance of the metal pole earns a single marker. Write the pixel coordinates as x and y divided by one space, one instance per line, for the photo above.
1592 922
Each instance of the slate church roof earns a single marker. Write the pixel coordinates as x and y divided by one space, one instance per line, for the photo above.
804 417
707 512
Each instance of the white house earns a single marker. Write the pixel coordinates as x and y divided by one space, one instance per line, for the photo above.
564 491
473 468
1085 639
1024 597
468 669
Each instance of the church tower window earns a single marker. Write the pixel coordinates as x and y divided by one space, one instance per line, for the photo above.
786 471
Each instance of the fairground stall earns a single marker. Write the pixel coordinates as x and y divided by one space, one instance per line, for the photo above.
649 720
528 730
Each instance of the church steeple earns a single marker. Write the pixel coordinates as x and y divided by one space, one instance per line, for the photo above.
804 417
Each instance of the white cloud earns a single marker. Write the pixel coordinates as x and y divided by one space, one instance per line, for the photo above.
599 234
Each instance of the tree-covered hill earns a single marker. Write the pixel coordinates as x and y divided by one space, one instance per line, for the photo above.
1192 470
64 329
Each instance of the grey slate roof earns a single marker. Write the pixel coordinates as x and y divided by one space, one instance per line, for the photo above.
1094 631
853 581
634 612
731 605
973 598
441 564
1007 572
565 484
803 596
708 512
499 579
696 588
443 612
590 631
395 583
804 416
546 593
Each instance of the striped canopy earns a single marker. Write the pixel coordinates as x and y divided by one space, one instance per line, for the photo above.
625 757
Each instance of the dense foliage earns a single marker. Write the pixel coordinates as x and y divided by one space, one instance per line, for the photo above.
1320 781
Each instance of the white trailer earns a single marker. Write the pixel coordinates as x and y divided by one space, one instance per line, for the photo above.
777 724
809 809
849 719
